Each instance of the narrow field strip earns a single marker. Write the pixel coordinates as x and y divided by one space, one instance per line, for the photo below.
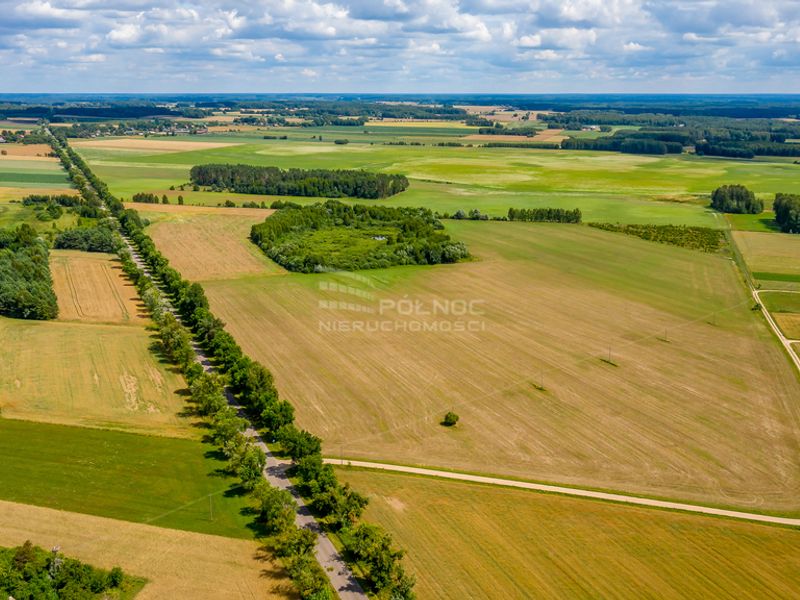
569 491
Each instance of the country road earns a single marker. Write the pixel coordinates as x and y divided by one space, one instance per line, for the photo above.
569 491
785 342
329 558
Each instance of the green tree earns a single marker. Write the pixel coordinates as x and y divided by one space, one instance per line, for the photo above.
276 507
736 199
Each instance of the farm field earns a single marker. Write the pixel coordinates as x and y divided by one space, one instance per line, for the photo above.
91 287
159 481
176 564
789 324
770 252
89 374
466 541
208 243
605 186
612 327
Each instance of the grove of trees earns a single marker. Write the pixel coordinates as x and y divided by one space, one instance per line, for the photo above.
333 235
550 215
29 571
248 179
787 212
736 199
26 285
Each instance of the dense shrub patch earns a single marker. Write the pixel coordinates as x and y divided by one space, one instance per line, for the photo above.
333 235
26 286
321 183
88 239
29 571
695 238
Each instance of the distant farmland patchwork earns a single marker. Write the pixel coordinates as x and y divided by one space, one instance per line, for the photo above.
586 358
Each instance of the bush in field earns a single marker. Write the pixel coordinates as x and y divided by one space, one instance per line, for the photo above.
450 419
736 199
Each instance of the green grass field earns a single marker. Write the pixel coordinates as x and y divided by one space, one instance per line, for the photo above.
166 482
605 186
32 173
778 302
471 541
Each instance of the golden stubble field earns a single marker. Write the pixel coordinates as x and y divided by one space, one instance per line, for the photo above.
205 242
471 541
657 377
177 564
91 287
156 144
94 365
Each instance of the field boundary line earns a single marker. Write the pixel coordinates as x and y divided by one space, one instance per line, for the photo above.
568 491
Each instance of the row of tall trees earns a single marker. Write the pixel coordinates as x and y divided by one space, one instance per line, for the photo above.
549 215
253 385
249 179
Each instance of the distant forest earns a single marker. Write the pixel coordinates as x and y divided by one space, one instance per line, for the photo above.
318 183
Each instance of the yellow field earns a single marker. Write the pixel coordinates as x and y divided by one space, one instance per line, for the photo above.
470 541
177 564
92 287
789 324
163 144
88 374
206 243
16 193
29 151
770 252
697 401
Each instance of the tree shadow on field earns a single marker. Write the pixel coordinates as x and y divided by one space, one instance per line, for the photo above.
272 570
157 349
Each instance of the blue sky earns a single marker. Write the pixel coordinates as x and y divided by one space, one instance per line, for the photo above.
534 46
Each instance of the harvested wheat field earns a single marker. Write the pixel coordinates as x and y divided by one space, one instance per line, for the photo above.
154 144
177 564
91 375
471 541
29 151
206 243
592 358
770 252
16 193
92 287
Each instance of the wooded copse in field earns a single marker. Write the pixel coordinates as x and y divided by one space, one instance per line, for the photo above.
101 238
787 212
547 215
320 183
695 238
29 571
736 199
26 285
333 235
337 507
